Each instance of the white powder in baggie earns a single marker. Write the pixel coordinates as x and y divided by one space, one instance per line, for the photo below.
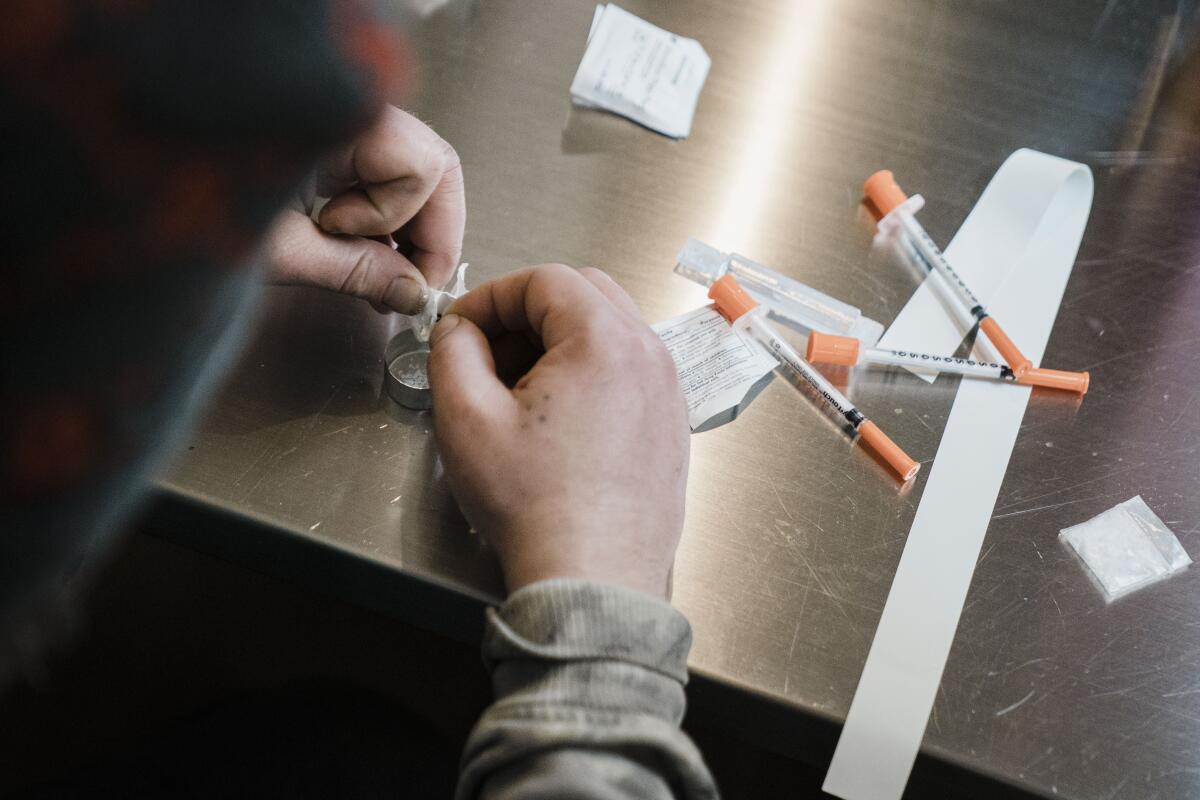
437 303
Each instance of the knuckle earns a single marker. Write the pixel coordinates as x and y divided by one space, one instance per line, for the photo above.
386 288
545 277
656 357
439 160
632 349
597 349
420 180
626 341
358 277
555 269
450 159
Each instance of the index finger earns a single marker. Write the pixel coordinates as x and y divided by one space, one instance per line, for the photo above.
399 174
552 300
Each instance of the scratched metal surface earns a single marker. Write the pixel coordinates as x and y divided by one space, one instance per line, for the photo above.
793 536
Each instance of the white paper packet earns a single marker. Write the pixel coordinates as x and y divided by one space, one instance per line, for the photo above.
1126 548
640 71
720 369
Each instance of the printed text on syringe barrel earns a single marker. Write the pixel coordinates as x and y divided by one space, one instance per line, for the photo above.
852 415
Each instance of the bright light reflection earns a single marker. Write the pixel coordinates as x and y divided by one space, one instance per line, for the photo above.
780 81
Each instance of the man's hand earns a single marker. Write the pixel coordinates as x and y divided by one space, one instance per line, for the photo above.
579 469
397 182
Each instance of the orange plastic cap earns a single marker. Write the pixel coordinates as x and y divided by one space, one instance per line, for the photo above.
882 190
827 348
1008 349
889 451
1056 379
731 299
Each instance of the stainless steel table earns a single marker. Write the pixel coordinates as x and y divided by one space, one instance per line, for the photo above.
793 536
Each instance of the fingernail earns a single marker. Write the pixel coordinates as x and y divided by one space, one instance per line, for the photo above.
406 295
444 326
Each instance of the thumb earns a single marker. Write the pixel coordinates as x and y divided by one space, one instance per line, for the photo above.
299 252
468 396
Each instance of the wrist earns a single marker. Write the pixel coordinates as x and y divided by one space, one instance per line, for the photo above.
571 620
539 567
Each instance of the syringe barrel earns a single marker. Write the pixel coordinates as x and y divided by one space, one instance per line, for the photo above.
792 363
792 299
788 299
935 260
950 364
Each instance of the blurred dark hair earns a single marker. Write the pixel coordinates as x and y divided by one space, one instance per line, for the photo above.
146 148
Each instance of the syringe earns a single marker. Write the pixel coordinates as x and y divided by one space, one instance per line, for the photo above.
743 312
826 348
897 212
787 299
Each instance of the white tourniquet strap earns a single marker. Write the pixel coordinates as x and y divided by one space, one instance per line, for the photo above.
1015 250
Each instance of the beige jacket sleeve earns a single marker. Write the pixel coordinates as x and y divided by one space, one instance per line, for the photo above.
589 696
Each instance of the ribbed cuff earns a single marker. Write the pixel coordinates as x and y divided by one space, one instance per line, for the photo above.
573 620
